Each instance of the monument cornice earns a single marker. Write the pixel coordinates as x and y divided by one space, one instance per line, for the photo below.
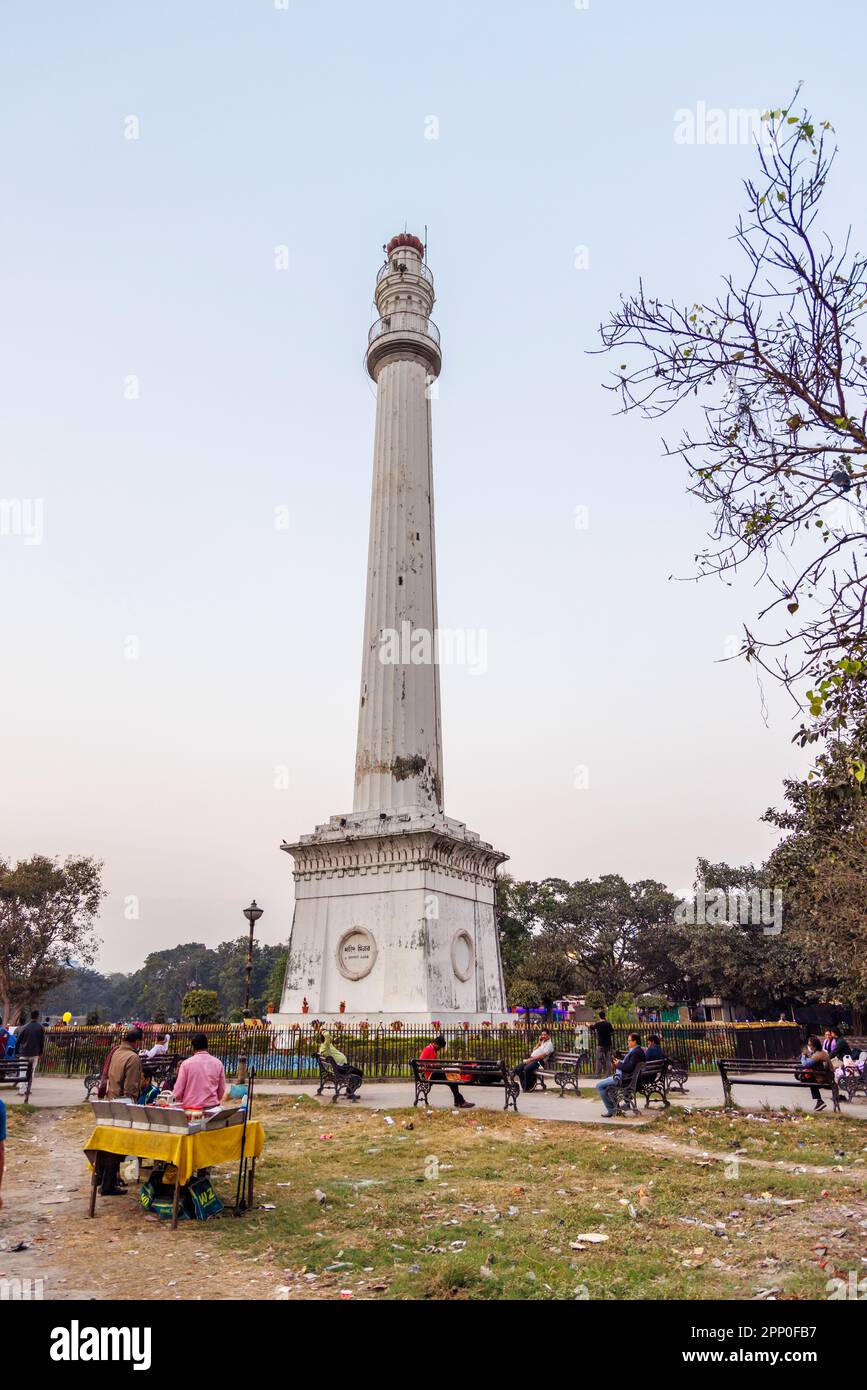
433 850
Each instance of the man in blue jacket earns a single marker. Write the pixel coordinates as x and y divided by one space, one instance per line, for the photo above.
622 1073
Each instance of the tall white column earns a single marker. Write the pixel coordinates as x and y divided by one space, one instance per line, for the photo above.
395 902
399 751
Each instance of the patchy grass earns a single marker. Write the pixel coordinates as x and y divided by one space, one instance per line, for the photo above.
22 1109
782 1135
460 1206
488 1205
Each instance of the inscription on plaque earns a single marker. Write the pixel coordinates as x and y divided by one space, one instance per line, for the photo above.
356 953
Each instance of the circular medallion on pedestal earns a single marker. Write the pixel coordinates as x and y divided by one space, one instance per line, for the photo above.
356 953
463 955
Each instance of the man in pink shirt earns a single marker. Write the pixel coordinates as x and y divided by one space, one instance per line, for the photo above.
201 1082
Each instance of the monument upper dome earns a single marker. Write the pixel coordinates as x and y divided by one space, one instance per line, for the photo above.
405 239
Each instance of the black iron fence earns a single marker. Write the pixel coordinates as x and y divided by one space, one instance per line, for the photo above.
385 1052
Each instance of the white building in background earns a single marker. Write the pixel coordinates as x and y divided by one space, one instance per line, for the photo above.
394 901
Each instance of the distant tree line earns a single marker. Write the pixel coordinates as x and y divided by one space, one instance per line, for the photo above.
157 990
611 939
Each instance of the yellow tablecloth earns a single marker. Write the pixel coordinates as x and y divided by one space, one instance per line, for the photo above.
186 1151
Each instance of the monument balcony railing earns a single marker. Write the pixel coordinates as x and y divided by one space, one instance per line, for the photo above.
404 321
393 268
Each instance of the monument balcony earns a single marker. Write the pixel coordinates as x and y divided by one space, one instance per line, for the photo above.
404 334
401 268
404 321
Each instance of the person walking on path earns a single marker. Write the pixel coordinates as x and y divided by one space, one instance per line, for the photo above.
30 1045
429 1054
604 1044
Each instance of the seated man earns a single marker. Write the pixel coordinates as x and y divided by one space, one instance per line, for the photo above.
339 1059
526 1070
622 1073
653 1051
429 1054
160 1047
201 1082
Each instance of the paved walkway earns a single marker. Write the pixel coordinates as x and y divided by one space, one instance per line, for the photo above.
703 1090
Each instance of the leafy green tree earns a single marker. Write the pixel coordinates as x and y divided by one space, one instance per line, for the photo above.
609 930
545 973
734 954
515 922
230 973
201 1006
274 984
167 976
820 866
81 991
47 920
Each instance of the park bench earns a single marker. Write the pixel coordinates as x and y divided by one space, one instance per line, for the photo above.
851 1082
330 1074
740 1072
649 1079
622 1096
163 1067
653 1080
563 1069
17 1071
678 1075
488 1073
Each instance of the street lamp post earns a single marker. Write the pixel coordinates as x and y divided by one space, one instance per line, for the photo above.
252 914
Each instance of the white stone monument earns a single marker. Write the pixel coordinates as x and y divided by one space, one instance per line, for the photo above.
394 902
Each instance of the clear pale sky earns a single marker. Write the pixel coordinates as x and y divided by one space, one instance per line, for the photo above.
154 258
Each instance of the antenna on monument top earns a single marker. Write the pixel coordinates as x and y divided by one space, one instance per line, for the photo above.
425 243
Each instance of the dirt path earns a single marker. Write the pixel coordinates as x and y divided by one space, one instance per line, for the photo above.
122 1253
850 1174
